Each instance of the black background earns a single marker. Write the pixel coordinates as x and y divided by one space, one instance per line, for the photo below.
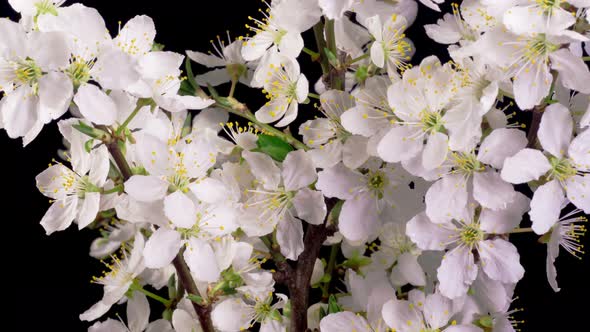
46 280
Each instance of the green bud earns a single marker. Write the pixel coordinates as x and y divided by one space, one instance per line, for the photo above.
195 298
333 306
361 74
172 287
332 59
167 314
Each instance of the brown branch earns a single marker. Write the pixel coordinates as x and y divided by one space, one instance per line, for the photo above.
534 127
185 278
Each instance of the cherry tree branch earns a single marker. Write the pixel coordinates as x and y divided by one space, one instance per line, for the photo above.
182 271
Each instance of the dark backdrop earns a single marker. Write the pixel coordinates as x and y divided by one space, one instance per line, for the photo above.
46 280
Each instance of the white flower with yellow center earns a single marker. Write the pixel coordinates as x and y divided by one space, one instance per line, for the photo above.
282 25
226 55
467 176
285 88
566 233
36 7
281 197
419 102
36 92
464 238
430 313
122 274
528 60
391 49
76 195
160 80
239 314
332 143
366 194
538 16
563 168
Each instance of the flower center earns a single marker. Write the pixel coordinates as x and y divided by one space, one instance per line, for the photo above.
27 72
46 7
471 234
377 181
466 163
431 121
548 5
79 72
561 169
539 48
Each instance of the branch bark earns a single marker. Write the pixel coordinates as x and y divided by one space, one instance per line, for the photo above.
182 271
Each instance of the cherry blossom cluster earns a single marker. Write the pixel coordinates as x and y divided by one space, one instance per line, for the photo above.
381 198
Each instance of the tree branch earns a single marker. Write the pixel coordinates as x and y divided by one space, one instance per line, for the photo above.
182 271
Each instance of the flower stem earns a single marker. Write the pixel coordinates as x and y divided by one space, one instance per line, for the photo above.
314 55
140 104
116 189
313 95
521 230
232 89
364 56
137 287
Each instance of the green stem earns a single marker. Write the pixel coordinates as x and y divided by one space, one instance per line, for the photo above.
331 36
314 55
232 89
137 287
329 270
117 189
364 56
313 95
140 104
318 31
521 230
586 58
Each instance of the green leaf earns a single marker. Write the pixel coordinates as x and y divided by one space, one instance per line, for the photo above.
273 146
332 59
156 47
90 131
356 261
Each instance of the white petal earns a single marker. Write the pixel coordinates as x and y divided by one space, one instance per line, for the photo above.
579 151
572 70
463 328
446 199
378 54
310 206
555 129
398 144
338 181
210 190
531 85
184 322
435 151
161 248
290 237
344 321
138 312
298 170
89 209
408 270
109 325
426 234
552 253
59 216
180 210
95 105
232 314
201 259
358 218
291 44
578 191
506 219
525 166
264 169
501 144
115 70
500 261
546 206
456 272
491 191
146 188
437 310
161 325
207 60
55 93
354 152
401 316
